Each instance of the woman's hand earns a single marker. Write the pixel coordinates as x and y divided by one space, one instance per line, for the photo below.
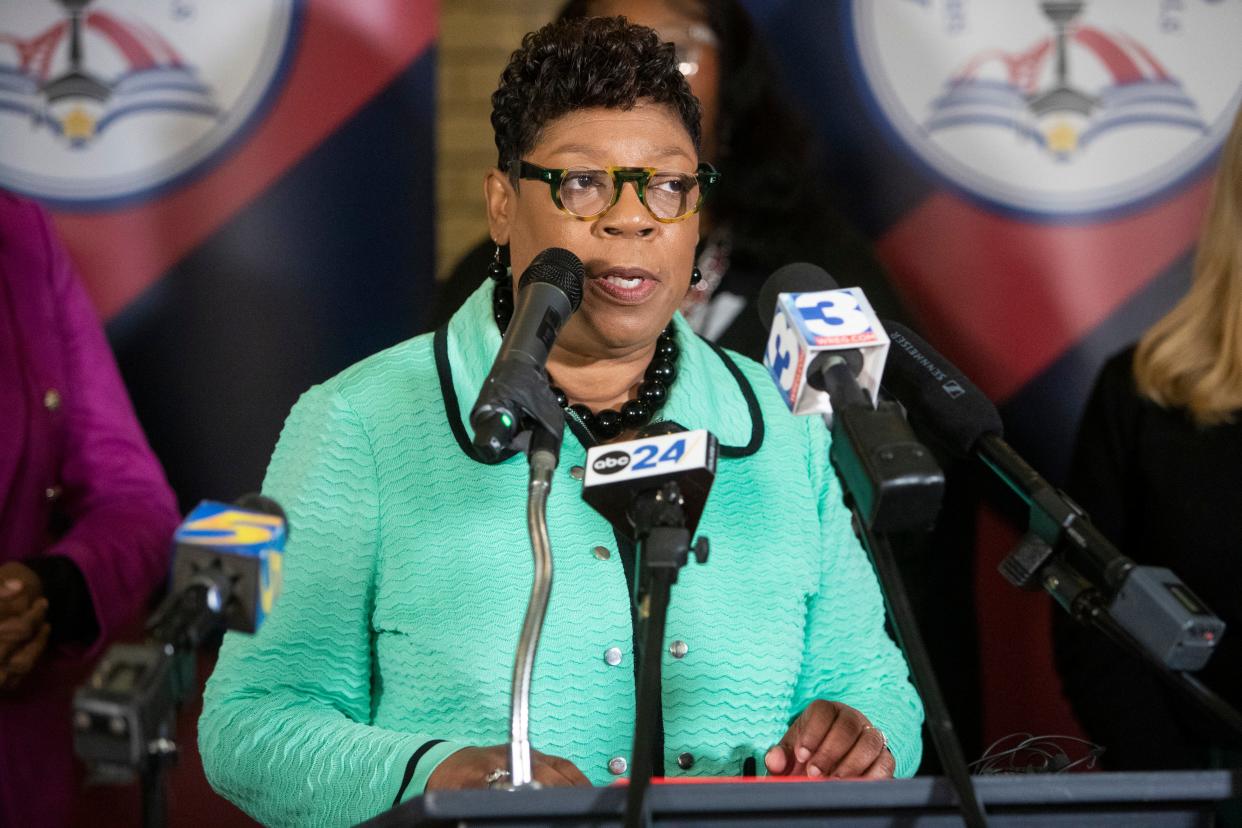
23 628
831 739
469 767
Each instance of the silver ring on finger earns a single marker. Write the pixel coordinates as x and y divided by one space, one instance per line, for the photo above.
883 738
496 778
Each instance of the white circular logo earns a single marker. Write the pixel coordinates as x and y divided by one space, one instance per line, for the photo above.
106 100
1054 107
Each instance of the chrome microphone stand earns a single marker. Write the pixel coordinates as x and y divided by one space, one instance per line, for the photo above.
543 456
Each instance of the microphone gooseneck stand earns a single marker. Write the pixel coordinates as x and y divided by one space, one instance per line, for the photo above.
663 548
893 465
543 456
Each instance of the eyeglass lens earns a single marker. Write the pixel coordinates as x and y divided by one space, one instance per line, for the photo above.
668 195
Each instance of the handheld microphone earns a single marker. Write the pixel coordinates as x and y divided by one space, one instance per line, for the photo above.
815 359
825 344
619 474
226 574
1150 603
515 394
231 556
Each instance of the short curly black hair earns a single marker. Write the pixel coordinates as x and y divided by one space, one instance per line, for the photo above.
579 64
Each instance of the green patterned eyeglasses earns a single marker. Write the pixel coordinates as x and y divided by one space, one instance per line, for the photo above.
587 194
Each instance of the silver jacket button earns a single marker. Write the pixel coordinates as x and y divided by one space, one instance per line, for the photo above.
617 765
51 399
612 656
685 761
602 552
678 649
577 472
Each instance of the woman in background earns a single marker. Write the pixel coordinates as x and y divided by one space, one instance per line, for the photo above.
1158 466
772 206
86 515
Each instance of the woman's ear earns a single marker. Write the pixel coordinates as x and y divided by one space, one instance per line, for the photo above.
501 201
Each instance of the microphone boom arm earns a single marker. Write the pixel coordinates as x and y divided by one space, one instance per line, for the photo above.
1054 517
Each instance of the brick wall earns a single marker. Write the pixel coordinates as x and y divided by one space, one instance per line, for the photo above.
476 38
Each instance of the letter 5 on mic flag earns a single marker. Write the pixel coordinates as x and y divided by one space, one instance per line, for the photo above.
618 472
246 545
808 324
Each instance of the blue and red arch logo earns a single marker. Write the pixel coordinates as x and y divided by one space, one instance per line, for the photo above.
1056 108
103 101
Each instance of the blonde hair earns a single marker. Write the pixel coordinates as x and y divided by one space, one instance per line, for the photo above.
1192 358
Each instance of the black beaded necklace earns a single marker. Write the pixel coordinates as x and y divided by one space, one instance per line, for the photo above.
652 391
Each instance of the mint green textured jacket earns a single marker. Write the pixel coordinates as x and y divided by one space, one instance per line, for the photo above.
408 571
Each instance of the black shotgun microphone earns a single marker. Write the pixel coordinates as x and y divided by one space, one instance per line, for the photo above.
515 394
932 388
1150 603
962 416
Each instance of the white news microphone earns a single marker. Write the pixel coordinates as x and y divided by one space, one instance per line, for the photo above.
826 353
815 324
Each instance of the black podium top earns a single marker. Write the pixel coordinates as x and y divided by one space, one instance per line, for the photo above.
1132 800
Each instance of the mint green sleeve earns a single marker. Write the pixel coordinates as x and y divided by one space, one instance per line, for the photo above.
285 732
848 656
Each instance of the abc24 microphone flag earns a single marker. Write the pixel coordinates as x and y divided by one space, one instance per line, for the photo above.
1033 176
247 190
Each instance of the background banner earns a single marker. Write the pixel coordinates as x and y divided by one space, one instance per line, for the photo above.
1034 175
247 189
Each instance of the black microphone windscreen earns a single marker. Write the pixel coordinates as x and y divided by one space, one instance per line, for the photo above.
798 277
560 268
934 390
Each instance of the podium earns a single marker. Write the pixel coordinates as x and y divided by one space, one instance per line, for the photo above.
1132 800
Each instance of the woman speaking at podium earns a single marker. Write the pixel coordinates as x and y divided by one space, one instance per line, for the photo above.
384 670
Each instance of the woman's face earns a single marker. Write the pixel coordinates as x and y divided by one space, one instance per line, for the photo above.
681 22
637 268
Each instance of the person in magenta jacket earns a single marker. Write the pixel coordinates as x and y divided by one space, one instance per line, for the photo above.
86 515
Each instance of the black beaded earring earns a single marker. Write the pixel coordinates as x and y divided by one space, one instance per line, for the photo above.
696 275
497 270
